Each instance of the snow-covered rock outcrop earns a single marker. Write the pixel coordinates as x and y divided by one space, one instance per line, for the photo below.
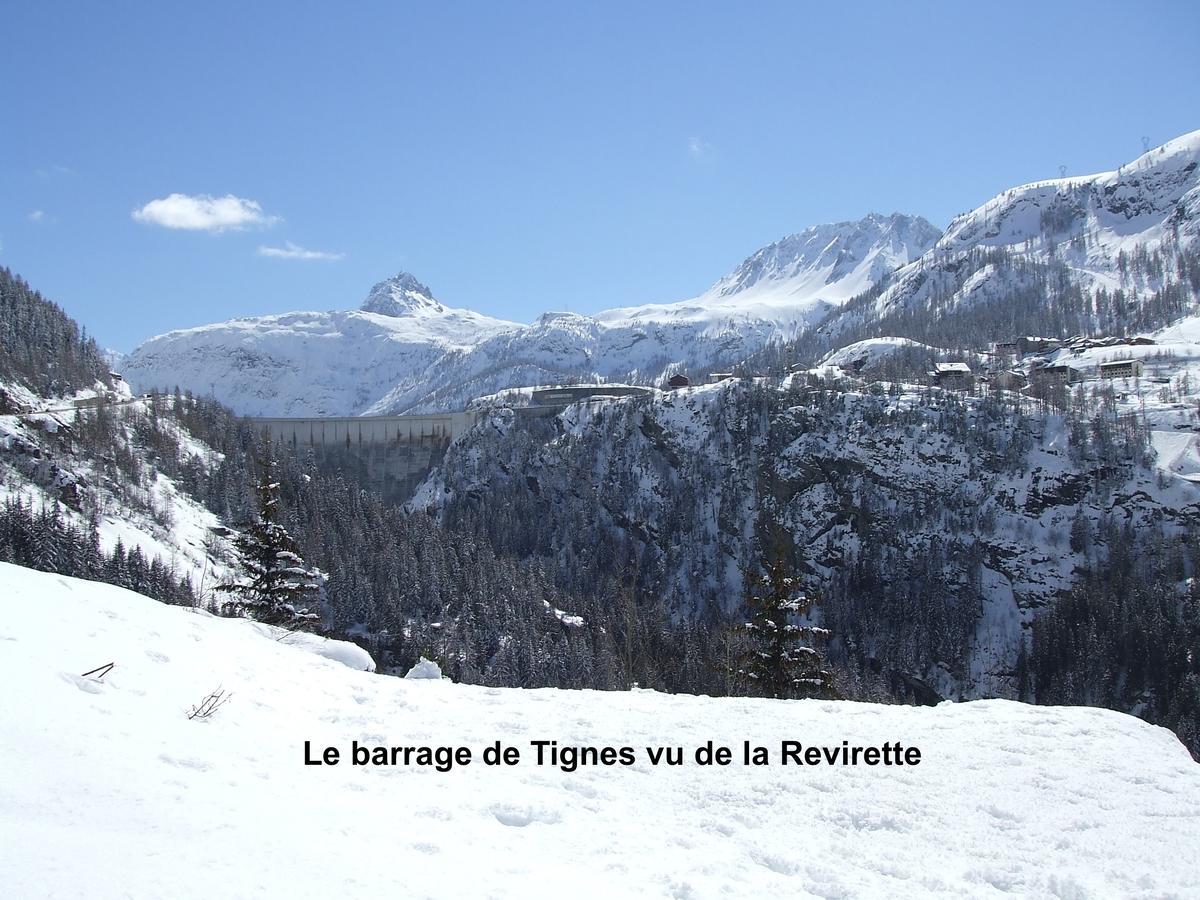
425 669
109 790
862 355
887 496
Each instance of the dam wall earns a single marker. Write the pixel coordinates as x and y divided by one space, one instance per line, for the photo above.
387 454
345 431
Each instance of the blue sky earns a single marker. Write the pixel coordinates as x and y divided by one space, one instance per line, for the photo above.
524 157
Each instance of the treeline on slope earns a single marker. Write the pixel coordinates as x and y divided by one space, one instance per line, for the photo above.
46 540
41 347
902 600
402 585
898 572
1127 635
415 588
1040 297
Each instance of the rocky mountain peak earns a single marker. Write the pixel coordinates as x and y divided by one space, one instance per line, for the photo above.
834 250
399 295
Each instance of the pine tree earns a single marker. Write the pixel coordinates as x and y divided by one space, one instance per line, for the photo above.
780 661
276 584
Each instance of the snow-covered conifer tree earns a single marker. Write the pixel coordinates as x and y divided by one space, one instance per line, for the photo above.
276 586
780 660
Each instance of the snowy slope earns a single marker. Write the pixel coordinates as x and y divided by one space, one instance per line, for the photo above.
44 465
1183 330
873 351
561 346
110 791
1115 210
1085 228
314 363
405 352
797 280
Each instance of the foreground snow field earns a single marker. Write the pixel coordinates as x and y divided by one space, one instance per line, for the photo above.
107 789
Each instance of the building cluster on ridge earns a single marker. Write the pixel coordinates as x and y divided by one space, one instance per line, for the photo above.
1033 354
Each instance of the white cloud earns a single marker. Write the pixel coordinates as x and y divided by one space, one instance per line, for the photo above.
53 170
698 148
38 216
203 212
291 251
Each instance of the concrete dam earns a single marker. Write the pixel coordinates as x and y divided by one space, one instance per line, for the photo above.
393 454
387 454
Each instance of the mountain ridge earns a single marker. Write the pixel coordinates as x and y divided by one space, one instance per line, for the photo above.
404 351
1100 253
1104 253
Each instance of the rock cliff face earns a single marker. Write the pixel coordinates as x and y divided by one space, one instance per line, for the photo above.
934 526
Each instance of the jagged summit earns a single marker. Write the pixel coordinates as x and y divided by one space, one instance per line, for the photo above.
398 296
1052 255
834 251
1024 255
795 281
336 362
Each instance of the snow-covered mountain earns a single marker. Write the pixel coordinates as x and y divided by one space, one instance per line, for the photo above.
315 363
774 294
405 352
1096 254
110 790
797 280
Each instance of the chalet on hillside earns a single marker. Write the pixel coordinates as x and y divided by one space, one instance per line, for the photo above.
953 376
572 393
1121 368
1080 344
1060 372
678 381
1032 344
1008 380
